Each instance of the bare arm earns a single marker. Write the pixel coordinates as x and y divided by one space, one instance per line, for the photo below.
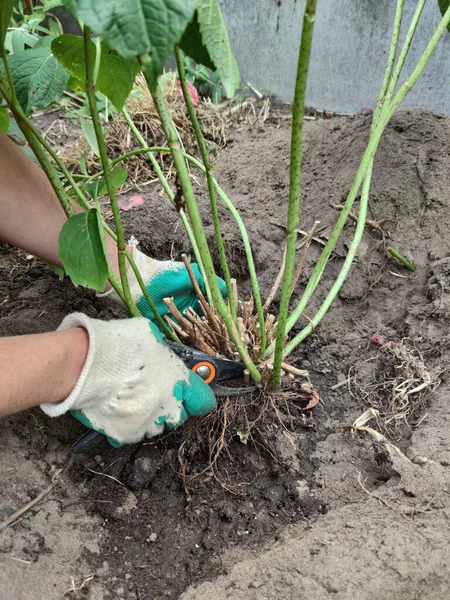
31 215
40 368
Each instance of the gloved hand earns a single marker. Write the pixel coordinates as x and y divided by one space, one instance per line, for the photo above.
164 279
132 384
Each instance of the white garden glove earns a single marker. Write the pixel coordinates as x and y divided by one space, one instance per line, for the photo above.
164 279
131 384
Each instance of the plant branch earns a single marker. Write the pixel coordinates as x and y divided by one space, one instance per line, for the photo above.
344 271
211 188
248 253
166 187
376 133
294 181
197 226
121 246
391 60
410 82
405 49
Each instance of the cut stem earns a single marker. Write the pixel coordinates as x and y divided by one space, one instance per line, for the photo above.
401 259
294 181
276 283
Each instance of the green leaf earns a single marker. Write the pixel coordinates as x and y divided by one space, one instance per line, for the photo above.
89 134
6 8
16 40
92 189
115 77
4 119
138 27
38 77
83 164
166 21
192 45
443 6
215 39
82 249
118 177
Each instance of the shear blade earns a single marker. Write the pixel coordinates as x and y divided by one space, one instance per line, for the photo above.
221 390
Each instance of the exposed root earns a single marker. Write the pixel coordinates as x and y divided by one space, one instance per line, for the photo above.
397 384
260 417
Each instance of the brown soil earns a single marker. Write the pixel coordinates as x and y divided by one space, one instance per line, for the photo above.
143 534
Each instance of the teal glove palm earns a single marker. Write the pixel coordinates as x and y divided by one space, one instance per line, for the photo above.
132 385
166 279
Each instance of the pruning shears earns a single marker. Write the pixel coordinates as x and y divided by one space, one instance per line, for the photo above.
214 371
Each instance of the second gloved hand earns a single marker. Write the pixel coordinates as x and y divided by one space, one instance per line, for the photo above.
165 279
132 384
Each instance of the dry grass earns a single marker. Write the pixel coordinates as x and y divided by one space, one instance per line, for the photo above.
214 119
141 108
397 384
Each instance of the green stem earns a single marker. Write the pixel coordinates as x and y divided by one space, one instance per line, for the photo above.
42 157
197 226
391 60
344 271
211 188
121 246
412 79
8 75
402 259
248 252
294 181
234 212
35 143
166 187
122 157
404 53
384 118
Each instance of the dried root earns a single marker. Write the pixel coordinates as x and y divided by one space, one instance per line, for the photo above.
397 384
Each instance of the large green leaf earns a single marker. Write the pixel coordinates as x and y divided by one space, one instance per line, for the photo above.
115 76
443 6
191 43
38 77
138 27
215 39
82 249
166 21
6 8
4 119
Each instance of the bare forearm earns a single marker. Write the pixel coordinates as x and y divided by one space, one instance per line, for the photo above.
31 216
42 368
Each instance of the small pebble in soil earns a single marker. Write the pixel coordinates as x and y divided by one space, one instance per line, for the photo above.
152 538
98 459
